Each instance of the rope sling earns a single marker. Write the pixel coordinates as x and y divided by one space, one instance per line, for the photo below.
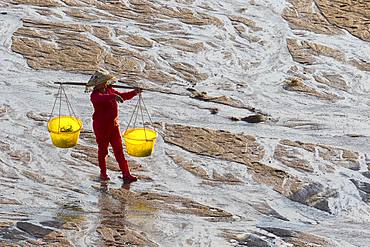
140 141
64 130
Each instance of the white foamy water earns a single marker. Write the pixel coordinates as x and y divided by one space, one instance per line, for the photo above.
253 73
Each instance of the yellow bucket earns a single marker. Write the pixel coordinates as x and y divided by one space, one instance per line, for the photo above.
64 131
140 142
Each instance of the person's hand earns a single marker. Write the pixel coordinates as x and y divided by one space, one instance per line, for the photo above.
138 90
119 99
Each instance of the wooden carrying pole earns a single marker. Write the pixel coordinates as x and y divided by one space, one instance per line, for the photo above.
84 84
116 86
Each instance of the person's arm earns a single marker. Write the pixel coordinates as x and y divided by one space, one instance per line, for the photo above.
97 97
126 95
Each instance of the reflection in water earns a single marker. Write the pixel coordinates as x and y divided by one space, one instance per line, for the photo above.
110 209
112 216
126 186
103 186
114 227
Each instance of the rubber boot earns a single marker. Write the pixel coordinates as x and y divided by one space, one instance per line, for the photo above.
127 177
104 177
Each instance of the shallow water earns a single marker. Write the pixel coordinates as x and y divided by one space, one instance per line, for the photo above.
40 183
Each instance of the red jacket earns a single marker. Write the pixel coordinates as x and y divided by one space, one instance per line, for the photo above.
106 106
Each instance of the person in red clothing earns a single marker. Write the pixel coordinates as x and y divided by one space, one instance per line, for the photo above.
105 121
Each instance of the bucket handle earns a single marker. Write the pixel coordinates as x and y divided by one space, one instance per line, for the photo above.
60 94
139 107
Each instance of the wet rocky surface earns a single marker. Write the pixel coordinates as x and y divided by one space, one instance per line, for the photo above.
260 108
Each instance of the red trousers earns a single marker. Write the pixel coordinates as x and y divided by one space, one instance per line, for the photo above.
105 135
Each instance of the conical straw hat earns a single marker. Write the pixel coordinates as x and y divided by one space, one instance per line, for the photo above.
100 76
